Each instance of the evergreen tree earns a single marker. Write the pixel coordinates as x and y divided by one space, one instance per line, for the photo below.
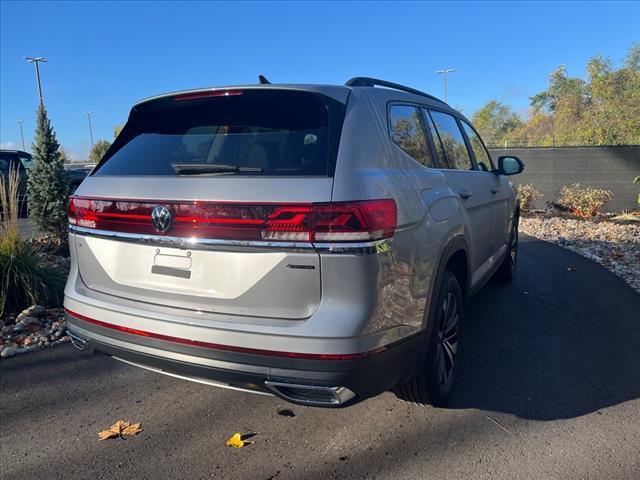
48 181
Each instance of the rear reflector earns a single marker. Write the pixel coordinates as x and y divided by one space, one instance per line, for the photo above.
313 222
226 348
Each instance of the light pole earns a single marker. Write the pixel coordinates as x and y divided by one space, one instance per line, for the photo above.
446 73
36 61
21 135
88 114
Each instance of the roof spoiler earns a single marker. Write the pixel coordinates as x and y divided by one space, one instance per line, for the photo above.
375 82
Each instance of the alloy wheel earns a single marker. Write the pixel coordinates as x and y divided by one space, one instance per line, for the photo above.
448 339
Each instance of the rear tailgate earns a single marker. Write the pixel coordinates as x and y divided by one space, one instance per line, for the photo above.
196 270
229 235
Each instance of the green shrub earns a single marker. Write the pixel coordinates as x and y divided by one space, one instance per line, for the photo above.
25 277
583 202
528 195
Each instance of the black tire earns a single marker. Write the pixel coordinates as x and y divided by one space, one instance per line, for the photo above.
433 383
507 269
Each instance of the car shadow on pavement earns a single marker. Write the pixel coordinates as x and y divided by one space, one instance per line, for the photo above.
562 341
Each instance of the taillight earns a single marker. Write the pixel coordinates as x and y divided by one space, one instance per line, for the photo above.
207 93
354 221
314 222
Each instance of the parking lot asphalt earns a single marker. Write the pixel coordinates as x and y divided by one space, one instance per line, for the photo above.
549 388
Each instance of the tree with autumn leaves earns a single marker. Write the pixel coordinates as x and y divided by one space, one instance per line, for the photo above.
604 109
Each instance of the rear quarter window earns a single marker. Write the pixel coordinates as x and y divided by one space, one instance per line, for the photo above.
407 132
262 132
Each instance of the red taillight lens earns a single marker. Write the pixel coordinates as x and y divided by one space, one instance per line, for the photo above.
354 221
320 222
207 93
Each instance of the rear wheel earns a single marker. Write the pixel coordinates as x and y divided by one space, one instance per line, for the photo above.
507 269
434 382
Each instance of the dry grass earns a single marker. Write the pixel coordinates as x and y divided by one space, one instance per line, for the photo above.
9 202
627 217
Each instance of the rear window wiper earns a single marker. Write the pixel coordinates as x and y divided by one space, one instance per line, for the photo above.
210 168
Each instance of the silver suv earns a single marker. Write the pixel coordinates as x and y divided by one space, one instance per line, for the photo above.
307 241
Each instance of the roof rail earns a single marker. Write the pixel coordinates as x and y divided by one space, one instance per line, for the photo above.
372 82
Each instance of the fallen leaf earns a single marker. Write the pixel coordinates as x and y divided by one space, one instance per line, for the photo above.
236 441
132 429
119 429
103 435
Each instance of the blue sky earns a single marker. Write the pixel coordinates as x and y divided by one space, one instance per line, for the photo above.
103 56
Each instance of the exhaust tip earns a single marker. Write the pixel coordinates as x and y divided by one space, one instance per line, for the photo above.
311 394
78 341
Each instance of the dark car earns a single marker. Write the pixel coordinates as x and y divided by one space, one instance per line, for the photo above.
77 173
20 161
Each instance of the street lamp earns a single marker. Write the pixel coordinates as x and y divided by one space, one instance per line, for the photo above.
21 135
88 114
36 61
446 73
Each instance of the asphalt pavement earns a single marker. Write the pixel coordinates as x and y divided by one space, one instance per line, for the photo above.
549 388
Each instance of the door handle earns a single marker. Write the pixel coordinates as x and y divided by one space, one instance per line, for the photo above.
495 190
465 193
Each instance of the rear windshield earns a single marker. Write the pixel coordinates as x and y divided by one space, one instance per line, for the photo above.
261 132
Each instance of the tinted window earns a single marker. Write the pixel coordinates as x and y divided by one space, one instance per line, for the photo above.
452 141
27 161
482 156
407 133
441 159
272 132
8 160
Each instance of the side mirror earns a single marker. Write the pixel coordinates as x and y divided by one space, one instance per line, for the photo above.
509 165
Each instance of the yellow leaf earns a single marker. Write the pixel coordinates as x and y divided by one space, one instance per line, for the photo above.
236 441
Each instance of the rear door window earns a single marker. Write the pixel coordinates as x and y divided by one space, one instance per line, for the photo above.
452 141
258 132
441 158
480 152
407 132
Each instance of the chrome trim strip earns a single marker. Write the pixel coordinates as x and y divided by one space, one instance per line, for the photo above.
181 242
360 248
193 379
355 248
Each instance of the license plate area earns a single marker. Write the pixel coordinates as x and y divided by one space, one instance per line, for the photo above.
172 265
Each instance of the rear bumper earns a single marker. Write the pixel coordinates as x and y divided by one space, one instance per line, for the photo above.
307 381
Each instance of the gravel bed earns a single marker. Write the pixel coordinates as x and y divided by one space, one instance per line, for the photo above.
616 246
34 328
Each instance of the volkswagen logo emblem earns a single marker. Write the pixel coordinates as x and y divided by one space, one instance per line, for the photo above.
161 218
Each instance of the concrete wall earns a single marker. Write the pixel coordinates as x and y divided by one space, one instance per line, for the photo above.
612 168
